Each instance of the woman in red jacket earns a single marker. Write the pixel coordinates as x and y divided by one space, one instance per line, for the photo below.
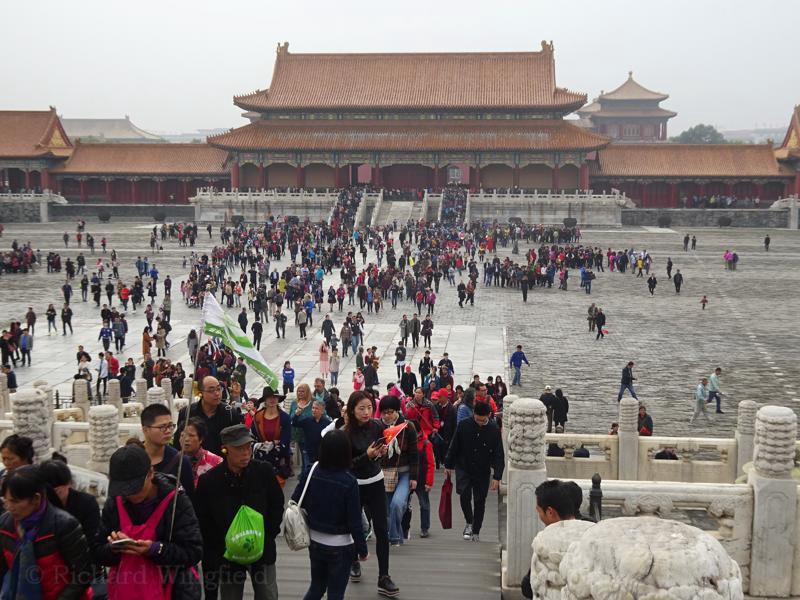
44 552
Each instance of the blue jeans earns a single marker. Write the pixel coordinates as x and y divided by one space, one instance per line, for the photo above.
424 506
397 502
330 570
517 375
354 343
623 387
715 396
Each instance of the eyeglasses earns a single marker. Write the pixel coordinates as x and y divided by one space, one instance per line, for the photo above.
165 428
212 389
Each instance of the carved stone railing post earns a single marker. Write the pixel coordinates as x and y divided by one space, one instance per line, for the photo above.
140 387
508 401
80 396
527 425
166 386
745 433
30 418
774 502
114 397
155 395
103 436
628 439
5 401
187 388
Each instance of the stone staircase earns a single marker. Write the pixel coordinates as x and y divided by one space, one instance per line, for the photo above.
400 211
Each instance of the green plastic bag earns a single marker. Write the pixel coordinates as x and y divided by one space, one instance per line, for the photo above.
244 542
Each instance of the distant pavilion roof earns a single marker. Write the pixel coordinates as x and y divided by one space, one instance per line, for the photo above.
32 134
146 159
686 160
413 81
633 90
790 148
119 130
409 136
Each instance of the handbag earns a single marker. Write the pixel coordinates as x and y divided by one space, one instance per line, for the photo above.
295 525
390 477
446 504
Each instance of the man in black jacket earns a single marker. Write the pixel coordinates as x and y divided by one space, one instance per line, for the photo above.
627 381
217 416
221 492
476 450
146 494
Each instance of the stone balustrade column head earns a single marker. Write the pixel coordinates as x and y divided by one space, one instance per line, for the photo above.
114 397
155 395
5 401
745 433
140 389
628 466
166 386
774 504
103 436
80 398
526 420
188 389
30 418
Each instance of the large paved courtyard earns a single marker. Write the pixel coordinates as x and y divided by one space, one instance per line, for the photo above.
749 328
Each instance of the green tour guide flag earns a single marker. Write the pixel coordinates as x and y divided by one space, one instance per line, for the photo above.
219 325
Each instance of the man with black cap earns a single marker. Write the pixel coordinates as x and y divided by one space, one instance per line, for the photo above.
139 508
216 415
221 492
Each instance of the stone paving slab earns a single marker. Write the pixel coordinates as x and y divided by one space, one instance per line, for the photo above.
749 327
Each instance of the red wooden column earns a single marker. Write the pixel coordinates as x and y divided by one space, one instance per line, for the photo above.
160 190
728 189
643 194
45 179
760 190
477 178
134 190
435 178
301 176
108 189
673 195
515 176
262 176
556 183
185 190
375 176
337 176
583 176
235 176
82 183
27 179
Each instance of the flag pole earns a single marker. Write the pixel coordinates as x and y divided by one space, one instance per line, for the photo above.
185 422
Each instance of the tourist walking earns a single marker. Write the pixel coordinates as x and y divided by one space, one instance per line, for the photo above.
476 455
331 502
239 481
599 323
366 438
560 410
700 400
714 393
627 381
516 361
678 281
767 241
651 283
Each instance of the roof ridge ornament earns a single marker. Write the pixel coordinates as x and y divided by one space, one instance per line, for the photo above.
283 48
547 47
630 75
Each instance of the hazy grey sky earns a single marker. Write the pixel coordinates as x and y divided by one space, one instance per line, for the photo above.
174 65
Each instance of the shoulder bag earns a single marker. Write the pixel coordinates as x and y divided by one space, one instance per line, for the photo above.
295 525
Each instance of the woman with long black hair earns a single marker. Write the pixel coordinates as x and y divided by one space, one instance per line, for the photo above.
366 440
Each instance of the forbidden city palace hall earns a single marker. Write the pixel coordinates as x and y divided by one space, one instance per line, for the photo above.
408 121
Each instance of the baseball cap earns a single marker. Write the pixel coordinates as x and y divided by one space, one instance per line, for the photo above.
128 468
236 435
